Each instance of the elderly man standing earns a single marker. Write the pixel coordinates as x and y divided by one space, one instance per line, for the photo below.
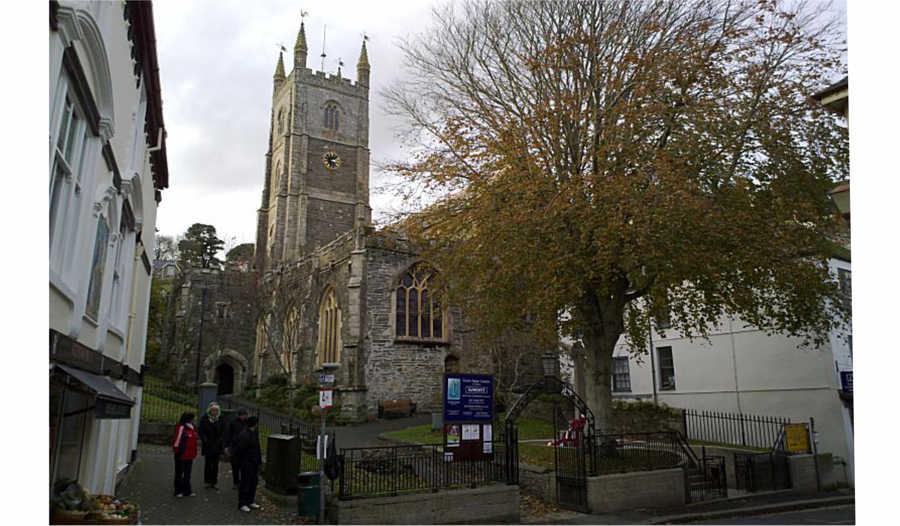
212 432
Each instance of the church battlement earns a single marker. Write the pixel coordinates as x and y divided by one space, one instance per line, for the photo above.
317 171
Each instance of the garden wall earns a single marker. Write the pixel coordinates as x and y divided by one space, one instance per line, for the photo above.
662 488
498 503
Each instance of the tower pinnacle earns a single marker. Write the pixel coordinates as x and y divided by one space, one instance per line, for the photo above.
300 48
279 69
362 65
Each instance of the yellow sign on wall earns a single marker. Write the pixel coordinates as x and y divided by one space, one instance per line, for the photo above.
796 438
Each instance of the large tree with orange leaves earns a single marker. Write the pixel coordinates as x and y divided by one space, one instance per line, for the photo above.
592 161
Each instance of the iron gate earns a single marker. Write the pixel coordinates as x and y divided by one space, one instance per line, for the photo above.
571 449
761 471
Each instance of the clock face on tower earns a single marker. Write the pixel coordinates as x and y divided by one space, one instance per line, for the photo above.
331 160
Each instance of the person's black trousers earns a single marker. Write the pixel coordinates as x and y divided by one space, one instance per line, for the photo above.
183 476
235 471
211 469
247 489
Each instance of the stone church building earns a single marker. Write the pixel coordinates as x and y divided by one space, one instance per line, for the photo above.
343 293
335 290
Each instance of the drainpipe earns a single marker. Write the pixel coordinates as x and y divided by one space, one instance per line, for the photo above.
652 360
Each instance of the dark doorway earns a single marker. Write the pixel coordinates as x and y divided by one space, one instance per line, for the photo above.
451 364
225 379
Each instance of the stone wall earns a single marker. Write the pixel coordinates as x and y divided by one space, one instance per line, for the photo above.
487 505
663 488
805 469
228 323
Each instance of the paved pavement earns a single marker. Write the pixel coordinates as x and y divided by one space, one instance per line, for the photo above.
149 484
830 515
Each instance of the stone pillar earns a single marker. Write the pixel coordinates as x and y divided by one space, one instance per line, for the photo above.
207 394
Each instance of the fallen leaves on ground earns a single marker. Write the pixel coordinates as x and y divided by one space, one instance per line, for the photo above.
531 506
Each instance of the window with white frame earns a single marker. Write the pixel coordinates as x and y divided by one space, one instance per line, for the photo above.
666 369
98 262
845 285
621 377
70 147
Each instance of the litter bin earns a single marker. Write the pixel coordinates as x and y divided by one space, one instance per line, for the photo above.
308 494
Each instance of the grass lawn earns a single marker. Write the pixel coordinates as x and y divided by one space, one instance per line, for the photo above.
528 429
156 409
536 453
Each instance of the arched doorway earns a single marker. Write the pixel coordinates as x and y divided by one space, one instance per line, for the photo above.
225 379
227 366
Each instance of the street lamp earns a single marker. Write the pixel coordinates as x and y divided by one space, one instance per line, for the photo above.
550 361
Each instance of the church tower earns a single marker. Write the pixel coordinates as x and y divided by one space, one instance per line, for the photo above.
317 167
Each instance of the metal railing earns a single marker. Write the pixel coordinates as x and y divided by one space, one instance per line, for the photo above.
162 402
733 429
394 470
624 452
272 422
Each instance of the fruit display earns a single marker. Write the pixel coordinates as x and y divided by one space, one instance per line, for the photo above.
71 504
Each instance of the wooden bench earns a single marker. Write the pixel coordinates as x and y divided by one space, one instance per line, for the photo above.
396 408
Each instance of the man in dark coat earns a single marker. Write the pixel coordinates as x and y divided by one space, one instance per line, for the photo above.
249 457
212 431
232 431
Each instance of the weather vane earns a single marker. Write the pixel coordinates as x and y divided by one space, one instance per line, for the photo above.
324 28
281 46
303 14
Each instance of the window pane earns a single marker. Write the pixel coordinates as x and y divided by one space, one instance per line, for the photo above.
426 315
64 125
400 321
413 312
666 369
437 323
70 141
407 280
56 186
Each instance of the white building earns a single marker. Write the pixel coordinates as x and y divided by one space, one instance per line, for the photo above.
107 164
741 369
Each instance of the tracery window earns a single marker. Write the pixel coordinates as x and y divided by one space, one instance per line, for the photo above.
419 313
291 338
331 116
328 348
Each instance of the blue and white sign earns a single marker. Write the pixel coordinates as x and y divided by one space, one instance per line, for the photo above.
468 397
847 381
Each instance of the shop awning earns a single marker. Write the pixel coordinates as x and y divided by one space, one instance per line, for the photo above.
110 401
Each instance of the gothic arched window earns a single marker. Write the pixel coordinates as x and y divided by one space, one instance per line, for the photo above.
291 336
331 116
281 121
261 343
419 314
328 348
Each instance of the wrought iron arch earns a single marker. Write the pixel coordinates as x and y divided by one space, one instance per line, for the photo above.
550 384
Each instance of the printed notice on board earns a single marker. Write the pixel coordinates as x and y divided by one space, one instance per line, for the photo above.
470 431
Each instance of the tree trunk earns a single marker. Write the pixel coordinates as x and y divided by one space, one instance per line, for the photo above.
604 325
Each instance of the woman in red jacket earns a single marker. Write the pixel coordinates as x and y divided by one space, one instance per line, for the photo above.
185 449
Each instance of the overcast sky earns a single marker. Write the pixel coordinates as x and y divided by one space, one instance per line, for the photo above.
216 62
